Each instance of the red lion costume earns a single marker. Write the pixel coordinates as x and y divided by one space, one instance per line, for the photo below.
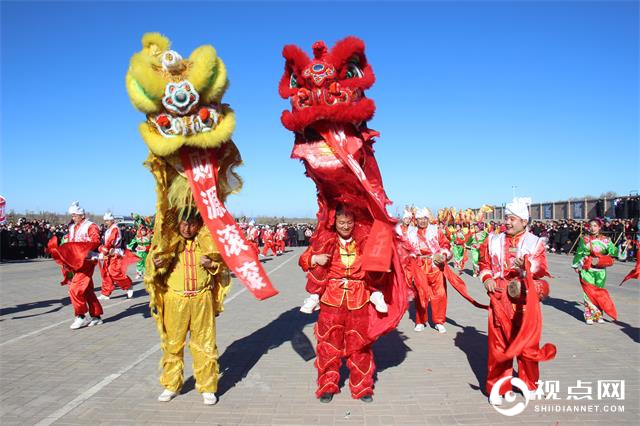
329 112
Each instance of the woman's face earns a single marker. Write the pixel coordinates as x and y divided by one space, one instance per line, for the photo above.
594 227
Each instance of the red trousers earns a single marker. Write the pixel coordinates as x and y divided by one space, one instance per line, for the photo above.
528 371
340 334
268 245
434 292
280 246
81 292
114 274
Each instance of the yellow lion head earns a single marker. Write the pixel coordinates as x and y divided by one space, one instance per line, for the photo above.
181 97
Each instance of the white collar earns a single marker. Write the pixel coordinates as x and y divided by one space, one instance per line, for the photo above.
344 242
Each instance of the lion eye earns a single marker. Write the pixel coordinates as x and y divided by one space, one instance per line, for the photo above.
293 81
353 71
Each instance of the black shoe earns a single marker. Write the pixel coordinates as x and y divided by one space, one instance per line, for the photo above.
326 397
367 398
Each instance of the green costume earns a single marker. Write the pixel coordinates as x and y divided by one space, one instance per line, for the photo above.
473 245
140 245
590 246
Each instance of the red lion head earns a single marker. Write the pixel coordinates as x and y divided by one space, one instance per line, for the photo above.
328 87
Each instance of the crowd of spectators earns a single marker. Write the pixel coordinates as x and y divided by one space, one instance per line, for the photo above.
298 235
27 239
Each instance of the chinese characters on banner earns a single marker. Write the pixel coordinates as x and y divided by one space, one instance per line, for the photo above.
201 168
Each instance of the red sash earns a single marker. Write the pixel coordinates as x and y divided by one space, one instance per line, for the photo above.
201 168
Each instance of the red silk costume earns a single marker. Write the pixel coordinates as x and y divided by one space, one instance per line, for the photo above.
267 239
515 326
329 114
343 322
252 236
429 281
280 236
74 257
113 266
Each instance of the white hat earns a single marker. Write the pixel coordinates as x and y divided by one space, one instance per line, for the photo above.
422 213
108 216
407 214
251 223
519 207
75 208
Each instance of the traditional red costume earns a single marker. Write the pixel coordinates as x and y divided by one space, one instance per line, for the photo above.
280 236
328 114
113 265
269 244
429 280
343 322
76 257
515 324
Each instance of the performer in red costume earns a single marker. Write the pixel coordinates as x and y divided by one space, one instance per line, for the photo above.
432 251
280 235
329 114
252 235
267 239
112 255
405 228
78 259
343 322
512 265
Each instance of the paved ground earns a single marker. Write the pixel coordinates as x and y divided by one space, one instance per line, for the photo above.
109 374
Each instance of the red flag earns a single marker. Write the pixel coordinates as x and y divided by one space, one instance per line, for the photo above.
3 204
379 248
634 274
201 168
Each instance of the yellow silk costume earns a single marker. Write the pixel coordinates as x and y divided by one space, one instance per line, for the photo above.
191 301
203 122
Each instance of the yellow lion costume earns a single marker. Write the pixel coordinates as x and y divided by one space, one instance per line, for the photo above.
182 102
181 98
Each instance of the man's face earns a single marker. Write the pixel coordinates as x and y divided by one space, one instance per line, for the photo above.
108 223
406 221
514 224
594 227
77 218
189 228
423 222
344 225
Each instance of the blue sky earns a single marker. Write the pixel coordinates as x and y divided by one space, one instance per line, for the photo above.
472 98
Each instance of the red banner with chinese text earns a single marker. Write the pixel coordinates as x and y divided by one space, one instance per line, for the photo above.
201 168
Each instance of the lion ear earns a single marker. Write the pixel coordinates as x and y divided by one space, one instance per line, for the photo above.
207 73
155 43
144 85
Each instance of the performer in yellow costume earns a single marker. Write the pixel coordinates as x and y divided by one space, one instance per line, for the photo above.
196 283
192 158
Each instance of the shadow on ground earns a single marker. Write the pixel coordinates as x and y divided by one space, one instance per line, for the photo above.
243 354
473 343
